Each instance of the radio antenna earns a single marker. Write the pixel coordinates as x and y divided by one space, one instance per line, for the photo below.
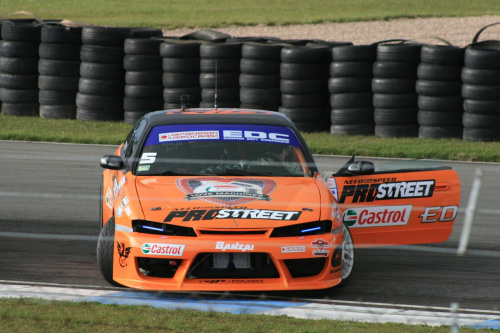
215 98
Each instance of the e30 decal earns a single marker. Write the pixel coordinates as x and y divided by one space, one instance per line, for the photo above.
439 214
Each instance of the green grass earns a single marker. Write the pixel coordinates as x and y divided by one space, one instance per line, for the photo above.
31 315
76 131
220 13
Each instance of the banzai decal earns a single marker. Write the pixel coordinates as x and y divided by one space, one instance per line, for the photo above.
387 191
123 252
226 192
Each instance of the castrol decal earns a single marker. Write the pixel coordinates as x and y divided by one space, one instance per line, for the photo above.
171 250
377 216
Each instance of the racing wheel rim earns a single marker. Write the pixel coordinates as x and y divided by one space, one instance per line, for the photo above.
347 253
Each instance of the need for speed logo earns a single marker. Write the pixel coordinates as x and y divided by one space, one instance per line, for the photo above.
387 191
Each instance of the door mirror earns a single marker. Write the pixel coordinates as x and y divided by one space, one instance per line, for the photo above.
361 168
112 162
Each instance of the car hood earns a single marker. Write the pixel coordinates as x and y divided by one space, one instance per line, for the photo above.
226 202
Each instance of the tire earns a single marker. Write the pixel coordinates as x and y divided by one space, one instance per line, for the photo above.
352 129
305 114
438 88
18 65
293 71
101 87
481 106
351 69
306 55
485 77
91 70
61 83
473 91
440 103
59 67
220 51
442 55
259 66
481 58
477 120
437 118
18 95
142 46
300 87
181 65
58 111
261 51
142 63
304 101
259 81
57 97
347 255
131 117
481 134
396 131
391 101
144 78
395 70
105 251
21 109
409 53
180 50
351 116
339 85
351 100
69 52
101 54
260 96
392 86
438 132
403 116
439 72
60 34
141 91
18 49
355 53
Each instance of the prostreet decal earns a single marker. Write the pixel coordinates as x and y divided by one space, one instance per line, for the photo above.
212 214
123 252
172 250
320 245
388 191
231 281
226 192
377 216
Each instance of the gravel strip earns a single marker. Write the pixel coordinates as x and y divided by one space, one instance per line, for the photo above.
458 31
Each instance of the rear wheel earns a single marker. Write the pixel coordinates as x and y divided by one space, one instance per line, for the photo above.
105 246
347 255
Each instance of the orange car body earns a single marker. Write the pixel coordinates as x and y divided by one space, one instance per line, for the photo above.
251 225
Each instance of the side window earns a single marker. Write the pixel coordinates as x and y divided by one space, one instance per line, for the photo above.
130 143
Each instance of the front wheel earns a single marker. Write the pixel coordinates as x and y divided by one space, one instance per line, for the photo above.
347 255
105 247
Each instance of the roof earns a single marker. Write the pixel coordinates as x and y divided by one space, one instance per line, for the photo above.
218 116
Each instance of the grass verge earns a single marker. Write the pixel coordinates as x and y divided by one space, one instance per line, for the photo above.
33 315
76 131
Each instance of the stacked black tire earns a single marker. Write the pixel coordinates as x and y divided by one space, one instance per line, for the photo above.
439 92
351 97
260 76
102 75
143 78
220 74
481 92
393 86
59 69
304 73
19 68
181 72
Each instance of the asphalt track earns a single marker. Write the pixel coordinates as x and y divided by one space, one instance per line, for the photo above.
48 231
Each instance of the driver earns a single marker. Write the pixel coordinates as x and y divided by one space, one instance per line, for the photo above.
280 156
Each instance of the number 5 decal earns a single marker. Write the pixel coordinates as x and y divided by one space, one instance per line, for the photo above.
148 158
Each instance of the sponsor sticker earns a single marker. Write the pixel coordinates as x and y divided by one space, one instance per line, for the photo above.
119 210
226 192
377 216
211 214
332 185
293 249
109 198
320 244
188 135
172 250
234 246
388 191
439 214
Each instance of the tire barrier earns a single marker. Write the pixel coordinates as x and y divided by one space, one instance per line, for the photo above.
143 78
350 90
394 88
19 67
101 88
304 78
439 92
181 72
59 70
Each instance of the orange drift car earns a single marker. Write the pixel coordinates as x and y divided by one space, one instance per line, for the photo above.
232 200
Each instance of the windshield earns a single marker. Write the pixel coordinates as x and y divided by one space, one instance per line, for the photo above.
222 149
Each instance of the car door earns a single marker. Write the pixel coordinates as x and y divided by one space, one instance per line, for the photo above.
412 204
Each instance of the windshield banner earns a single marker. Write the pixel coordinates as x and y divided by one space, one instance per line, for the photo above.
221 132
